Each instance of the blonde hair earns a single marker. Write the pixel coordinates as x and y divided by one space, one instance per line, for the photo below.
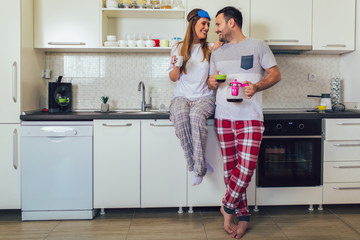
188 42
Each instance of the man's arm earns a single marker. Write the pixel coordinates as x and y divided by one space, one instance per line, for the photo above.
273 77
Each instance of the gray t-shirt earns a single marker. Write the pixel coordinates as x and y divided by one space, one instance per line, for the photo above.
242 61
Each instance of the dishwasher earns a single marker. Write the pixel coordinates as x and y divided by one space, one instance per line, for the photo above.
56 170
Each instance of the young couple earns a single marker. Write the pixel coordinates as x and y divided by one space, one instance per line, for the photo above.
239 126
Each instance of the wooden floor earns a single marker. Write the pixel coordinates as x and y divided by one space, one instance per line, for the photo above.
280 222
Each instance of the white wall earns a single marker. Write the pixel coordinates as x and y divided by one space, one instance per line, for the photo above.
350 67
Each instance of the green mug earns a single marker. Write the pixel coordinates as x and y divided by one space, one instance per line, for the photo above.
63 100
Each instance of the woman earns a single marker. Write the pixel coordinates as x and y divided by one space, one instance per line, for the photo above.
193 101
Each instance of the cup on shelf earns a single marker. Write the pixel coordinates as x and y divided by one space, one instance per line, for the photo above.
157 42
150 43
164 43
122 43
140 43
111 4
132 43
111 37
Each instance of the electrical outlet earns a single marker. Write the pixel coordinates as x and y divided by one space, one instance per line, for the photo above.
311 76
43 73
47 73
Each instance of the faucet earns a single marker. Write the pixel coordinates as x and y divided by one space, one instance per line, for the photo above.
144 106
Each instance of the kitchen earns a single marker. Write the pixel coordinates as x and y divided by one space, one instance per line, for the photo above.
94 74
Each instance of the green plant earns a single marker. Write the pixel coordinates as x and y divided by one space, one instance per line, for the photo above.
104 99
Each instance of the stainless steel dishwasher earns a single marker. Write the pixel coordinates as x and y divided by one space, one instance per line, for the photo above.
57 170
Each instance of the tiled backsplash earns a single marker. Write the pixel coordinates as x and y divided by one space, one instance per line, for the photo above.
117 75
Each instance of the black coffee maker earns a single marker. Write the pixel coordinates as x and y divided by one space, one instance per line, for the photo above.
60 96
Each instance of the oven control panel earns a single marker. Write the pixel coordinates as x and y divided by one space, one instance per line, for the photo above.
292 127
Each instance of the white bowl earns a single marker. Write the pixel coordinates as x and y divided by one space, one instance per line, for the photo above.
111 37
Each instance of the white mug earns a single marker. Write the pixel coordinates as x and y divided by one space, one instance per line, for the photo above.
140 43
150 43
122 43
180 61
132 43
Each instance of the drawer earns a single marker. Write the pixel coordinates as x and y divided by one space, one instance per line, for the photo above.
341 172
338 193
342 129
341 151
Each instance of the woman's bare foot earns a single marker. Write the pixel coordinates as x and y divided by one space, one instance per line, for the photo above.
229 225
241 229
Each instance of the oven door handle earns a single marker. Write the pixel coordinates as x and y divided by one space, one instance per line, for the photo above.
282 137
337 166
346 188
346 145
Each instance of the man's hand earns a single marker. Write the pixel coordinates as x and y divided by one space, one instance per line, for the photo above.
249 90
212 83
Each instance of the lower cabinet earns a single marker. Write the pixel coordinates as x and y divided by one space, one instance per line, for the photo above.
9 166
163 166
341 161
116 163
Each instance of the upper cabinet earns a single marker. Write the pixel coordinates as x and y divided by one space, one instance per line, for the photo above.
214 6
67 23
282 22
334 25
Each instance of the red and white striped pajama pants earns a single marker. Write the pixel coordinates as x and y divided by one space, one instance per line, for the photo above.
240 143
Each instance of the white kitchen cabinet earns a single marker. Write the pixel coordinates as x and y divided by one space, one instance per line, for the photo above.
116 163
67 23
20 67
163 166
156 23
9 166
341 161
334 26
214 6
282 22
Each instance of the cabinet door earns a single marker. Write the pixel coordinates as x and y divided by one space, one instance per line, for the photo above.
67 23
214 6
330 16
282 22
116 163
163 166
9 167
10 61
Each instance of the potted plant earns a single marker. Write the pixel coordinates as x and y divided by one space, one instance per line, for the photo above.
104 105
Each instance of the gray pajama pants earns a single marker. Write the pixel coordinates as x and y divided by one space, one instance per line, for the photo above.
189 118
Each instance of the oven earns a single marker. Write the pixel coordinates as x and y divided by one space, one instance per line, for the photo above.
290 154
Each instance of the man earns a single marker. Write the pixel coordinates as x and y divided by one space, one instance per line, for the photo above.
239 125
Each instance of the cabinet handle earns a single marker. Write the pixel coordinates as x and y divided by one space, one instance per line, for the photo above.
286 137
348 124
345 188
14 82
282 40
66 43
117 125
334 45
346 145
346 166
15 149
161 124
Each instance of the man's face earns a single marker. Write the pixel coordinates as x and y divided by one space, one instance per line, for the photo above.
221 28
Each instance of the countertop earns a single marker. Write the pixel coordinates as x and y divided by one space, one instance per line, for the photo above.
88 115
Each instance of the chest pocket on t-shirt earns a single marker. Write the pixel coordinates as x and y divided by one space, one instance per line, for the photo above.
247 62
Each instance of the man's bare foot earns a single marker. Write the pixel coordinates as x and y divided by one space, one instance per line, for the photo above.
229 225
241 229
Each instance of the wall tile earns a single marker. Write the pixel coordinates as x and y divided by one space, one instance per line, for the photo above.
117 75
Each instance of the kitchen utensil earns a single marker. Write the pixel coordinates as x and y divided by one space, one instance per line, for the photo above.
235 91
179 61
321 108
111 4
111 37
164 43
325 100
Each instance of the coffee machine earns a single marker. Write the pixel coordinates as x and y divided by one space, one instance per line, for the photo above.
60 96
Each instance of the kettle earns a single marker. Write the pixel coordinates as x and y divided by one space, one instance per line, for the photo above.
325 100
235 91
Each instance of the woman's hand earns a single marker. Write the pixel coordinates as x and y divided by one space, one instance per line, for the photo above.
217 45
173 61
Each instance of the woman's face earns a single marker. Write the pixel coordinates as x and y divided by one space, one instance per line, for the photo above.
201 29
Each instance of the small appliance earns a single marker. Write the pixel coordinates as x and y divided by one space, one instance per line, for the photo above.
325 100
60 96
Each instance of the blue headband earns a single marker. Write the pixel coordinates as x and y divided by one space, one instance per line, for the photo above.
203 14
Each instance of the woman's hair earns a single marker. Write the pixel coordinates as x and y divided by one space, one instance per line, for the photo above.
188 42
